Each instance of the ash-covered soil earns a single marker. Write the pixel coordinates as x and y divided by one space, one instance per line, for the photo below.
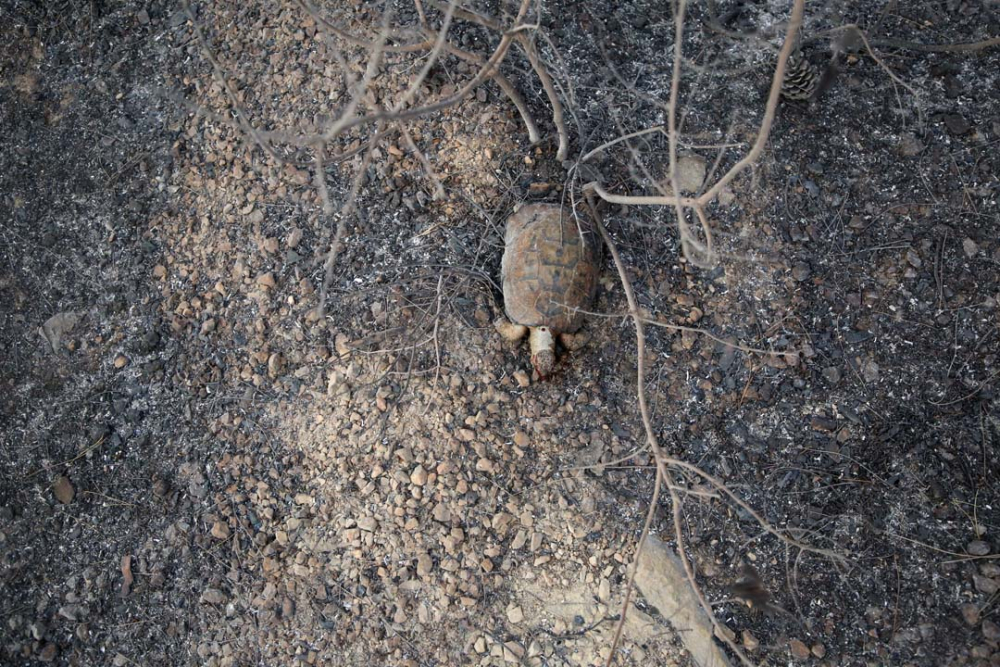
198 467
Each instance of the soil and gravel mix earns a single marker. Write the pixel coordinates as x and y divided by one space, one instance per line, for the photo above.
198 466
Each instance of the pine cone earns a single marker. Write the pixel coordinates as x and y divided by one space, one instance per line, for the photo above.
801 79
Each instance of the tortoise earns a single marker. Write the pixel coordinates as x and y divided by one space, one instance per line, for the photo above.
549 273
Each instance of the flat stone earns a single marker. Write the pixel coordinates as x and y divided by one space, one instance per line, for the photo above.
73 612
798 649
978 548
424 565
909 145
985 584
213 596
661 579
220 530
514 613
58 326
970 613
956 123
970 247
63 490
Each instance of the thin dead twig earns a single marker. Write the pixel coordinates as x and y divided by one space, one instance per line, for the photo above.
529 49
664 462
506 87
631 135
337 244
425 163
700 202
660 457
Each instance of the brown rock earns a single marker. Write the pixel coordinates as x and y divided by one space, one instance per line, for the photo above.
514 613
220 530
661 579
48 653
978 548
798 649
970 613
985 584
424 565
63 490
442 513
275 364
825 424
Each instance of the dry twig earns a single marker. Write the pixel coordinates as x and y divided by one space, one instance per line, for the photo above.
690 245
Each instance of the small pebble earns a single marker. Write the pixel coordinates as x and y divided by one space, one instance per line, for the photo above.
798 649
63 490
985 584
220 530
515 614
978 548
970 613
213 596
48 653
970 248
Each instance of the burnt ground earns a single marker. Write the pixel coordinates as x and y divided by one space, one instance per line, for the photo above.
195 468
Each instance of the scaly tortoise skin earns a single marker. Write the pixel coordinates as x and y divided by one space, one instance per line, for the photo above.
549 270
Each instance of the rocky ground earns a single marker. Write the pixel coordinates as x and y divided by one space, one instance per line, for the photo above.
199 467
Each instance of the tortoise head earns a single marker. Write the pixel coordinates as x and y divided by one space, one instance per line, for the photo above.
544 362
543 350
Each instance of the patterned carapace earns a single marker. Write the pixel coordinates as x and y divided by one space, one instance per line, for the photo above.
549 267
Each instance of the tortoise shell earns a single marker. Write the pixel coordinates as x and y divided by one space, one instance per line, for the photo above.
549 267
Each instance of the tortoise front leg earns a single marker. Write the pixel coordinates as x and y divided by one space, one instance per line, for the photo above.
509 330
